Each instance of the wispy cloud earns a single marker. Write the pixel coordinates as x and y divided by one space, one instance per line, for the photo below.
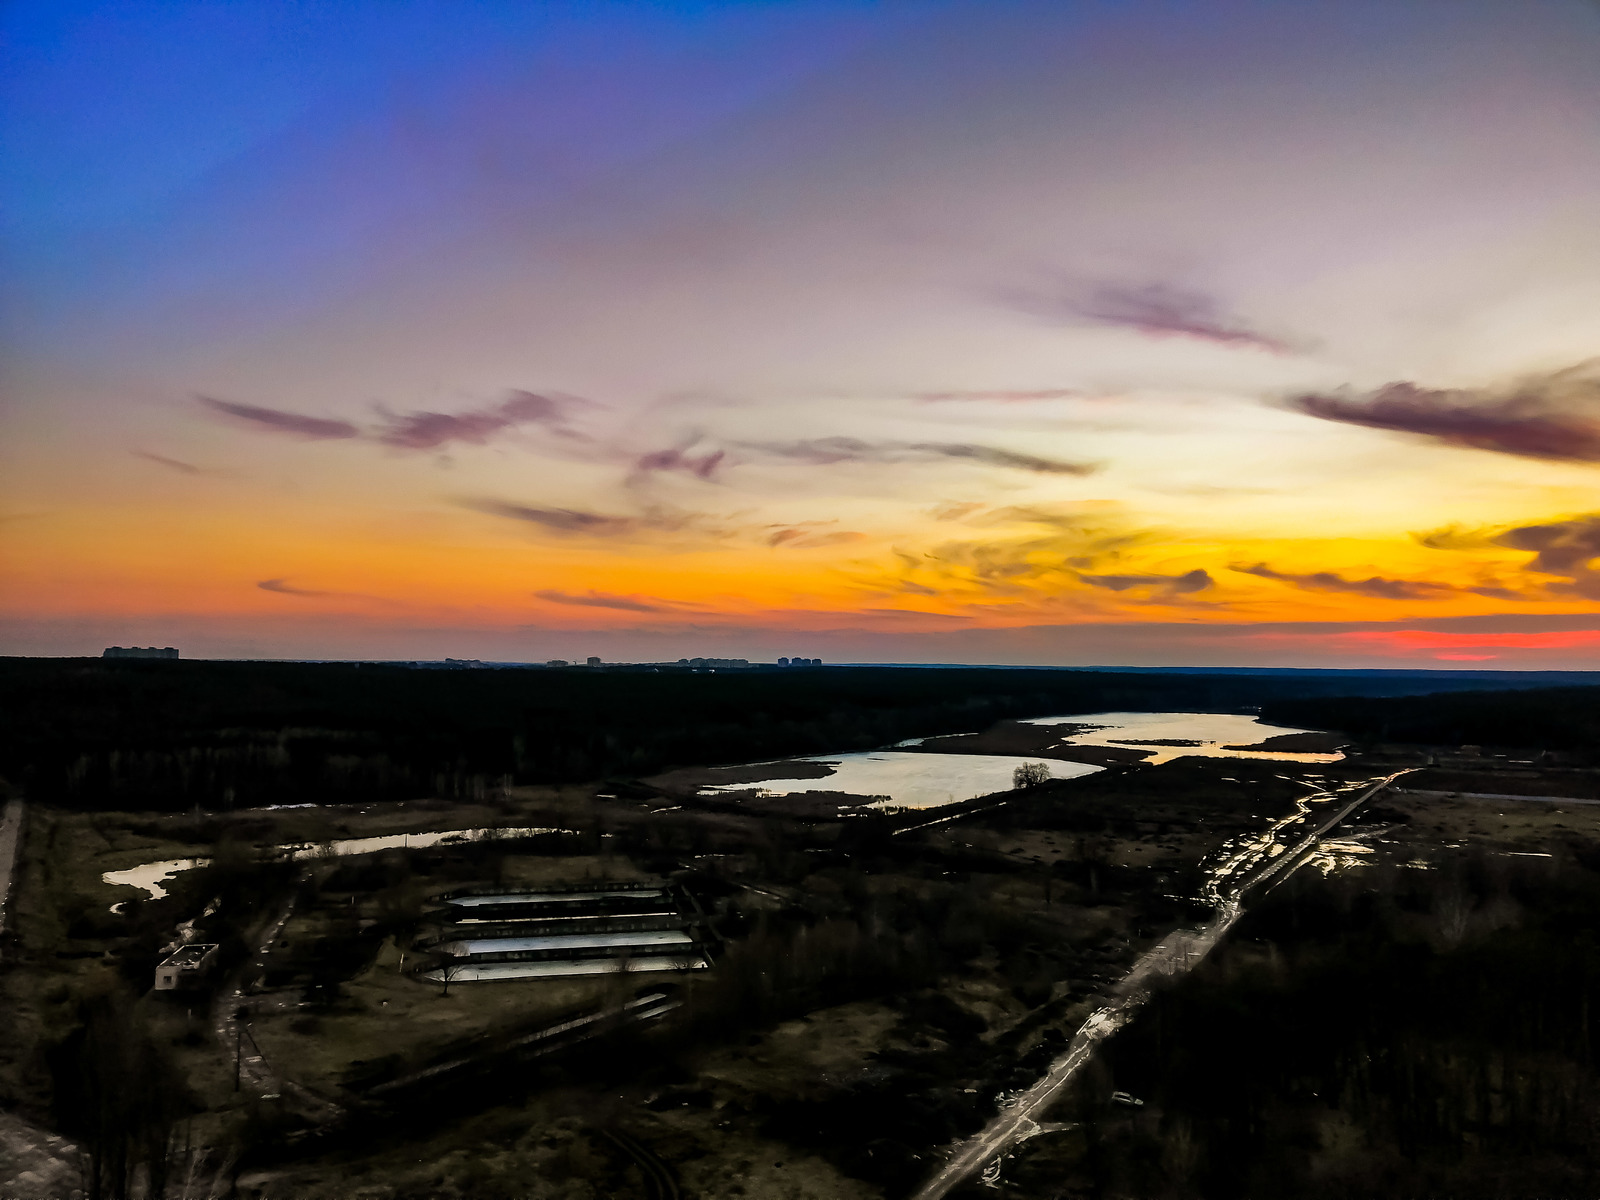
584 522
829 450
429 430
1566 549
562 520
807 535
999 396
680 458
1081 559
172 464
1551 416
1154 309
275 420
592 599
1178 585
416 430
706 462
1375 586
284 588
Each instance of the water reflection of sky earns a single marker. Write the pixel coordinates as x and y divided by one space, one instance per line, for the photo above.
907 779
152 875
1212 732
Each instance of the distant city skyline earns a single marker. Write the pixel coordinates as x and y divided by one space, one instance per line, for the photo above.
1070 333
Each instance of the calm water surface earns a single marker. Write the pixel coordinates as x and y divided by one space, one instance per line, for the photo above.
1207 733
904 779
152 875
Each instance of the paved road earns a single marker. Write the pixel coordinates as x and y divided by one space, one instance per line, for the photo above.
1244 869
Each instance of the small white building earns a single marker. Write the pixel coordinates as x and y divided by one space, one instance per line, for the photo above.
186 967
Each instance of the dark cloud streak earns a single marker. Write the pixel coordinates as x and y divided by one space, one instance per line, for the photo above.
1153 309
430 430
592 599
1181 585
172 464
831 450
1566 549
561 520
1544 417
277 421
283 588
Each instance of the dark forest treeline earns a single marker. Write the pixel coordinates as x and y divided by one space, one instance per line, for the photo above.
1544 718
170 735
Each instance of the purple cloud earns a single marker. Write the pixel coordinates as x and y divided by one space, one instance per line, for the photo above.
277 421
1155 309
590 524
429 430
1545 417
1376 586
830 450
1567 549
703 466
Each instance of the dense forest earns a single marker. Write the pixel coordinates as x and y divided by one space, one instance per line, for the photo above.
1565 718
112 734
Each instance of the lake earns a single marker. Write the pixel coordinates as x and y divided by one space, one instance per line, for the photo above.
1205 734
904 779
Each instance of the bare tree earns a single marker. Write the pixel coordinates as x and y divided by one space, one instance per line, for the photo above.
1030 775
451 965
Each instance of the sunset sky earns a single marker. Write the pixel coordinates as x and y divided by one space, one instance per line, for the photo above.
1062 333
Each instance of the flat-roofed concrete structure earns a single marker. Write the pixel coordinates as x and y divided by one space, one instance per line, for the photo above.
582 929
186 967
140 652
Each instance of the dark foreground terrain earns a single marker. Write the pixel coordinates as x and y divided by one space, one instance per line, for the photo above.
1403 1010
1419 1027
